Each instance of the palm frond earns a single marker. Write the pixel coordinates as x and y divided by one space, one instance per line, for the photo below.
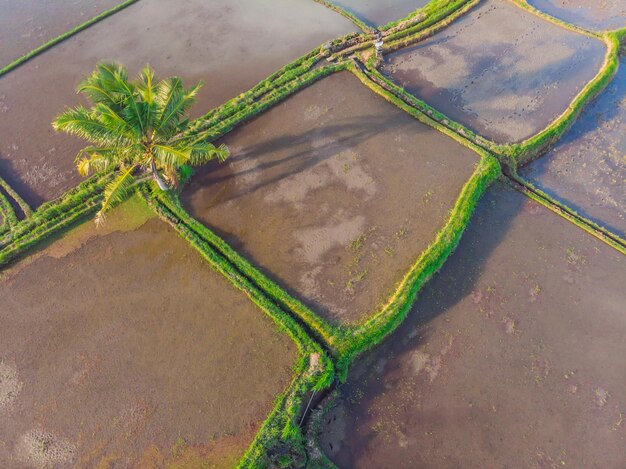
171 156
84 123
100 86
203 152
174 102
115 192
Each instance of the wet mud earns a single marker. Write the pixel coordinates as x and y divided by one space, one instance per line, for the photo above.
501 71
510 357
334 194
598 15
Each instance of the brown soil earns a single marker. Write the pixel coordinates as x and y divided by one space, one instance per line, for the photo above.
334 194
27 24
380 12
221 42
599 14
503 72
587 169
512 356
126 349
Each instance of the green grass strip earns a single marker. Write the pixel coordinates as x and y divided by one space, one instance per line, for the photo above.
532 147
379 326
7 213
517 153
53 217
561 209
437 15
281 427
553 19
16 63
347 14
321 330
15 196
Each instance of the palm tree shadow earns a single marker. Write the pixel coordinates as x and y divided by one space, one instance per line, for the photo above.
269 161
456 280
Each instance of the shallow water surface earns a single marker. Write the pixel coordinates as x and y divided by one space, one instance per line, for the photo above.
503 72
512 356
587 168
380 12
222 42
334 193
599 14
124 349
27 24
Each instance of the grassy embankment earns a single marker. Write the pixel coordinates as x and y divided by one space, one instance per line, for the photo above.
280 431
51 43
366 28
513 155
280 439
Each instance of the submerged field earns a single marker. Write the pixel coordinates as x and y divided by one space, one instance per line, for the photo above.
334 194
123 349
587 169
501 71
510 357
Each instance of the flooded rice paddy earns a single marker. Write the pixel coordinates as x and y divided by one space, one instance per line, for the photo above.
598 15
380 12
500 70
334 193
123 349
511 357
587 168
27 24
222 43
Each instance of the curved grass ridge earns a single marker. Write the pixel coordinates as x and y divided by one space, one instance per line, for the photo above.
16 198
383 323
422 22
281 428
553 19
347 14
518 153
563 210
437 15
16 63
52 217
7 214
534 146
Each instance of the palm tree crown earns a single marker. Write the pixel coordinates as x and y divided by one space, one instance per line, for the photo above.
135 127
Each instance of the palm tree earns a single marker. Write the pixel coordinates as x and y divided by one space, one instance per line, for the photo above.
135 127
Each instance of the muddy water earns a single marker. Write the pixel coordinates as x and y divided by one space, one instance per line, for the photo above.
334 193
27 24
587 169
600 15
222 42
126 350
500 70
511 357
378 13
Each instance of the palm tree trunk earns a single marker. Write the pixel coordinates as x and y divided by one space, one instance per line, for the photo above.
157 177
